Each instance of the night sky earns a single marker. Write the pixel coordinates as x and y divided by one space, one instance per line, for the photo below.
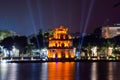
26 17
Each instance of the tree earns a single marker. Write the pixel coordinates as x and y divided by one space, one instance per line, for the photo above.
8 43
4 34
21 43
30 47
38 40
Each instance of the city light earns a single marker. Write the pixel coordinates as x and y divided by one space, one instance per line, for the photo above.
59 39
3 61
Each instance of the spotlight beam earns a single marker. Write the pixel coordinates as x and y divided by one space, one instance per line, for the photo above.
32 20
53 11
82 15
40 14
69 14
88 16
41 21
86 23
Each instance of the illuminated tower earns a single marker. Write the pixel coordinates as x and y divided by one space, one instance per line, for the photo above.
60 44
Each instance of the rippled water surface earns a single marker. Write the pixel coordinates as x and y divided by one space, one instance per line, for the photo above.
60 71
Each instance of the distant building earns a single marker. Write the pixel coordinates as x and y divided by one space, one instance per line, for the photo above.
60 44
110 31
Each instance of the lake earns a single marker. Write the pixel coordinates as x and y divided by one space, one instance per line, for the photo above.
60 71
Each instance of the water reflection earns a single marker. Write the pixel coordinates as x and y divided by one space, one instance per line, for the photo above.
94 71
60 71
44 71
8 74
110 72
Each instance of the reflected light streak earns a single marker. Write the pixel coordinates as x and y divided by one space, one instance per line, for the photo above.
94 71
44 71
3 71
5 68
32 20
61 71
13 72
110 71
78 69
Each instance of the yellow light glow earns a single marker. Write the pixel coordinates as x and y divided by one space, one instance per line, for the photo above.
72 55
66 56
53 55
60 40
59 56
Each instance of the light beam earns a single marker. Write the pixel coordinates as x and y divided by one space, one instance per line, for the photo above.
41 21
32 20
86 22
88 16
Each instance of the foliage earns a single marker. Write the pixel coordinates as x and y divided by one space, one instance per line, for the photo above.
4 34
38 40
20 42
7 43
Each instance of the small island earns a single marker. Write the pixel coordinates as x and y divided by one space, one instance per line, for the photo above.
59 45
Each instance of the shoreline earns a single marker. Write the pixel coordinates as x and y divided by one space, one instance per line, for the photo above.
42 61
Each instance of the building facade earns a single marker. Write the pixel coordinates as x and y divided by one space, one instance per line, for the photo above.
61 44
110 31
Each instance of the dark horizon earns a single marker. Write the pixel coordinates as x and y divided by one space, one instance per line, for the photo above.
26 17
